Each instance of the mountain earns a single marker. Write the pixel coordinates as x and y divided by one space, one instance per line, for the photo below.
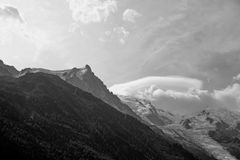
44 118
217 130
86 80
6 70
214 132
148 112
166 123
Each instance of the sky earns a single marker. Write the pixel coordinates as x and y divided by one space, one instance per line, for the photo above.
164 43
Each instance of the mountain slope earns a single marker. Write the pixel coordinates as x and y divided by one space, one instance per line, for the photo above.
42 117
86 80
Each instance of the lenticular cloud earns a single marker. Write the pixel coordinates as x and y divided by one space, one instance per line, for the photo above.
180 84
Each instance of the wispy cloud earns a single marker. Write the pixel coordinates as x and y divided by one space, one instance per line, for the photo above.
130 15
9 12
200 41
89 11
120 34
12 24
10 21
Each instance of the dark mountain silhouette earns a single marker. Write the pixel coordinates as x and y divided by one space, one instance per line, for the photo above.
42 117
86 80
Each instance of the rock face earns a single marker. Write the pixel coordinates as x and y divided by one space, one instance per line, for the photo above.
6 70
86 80
44 118
217 130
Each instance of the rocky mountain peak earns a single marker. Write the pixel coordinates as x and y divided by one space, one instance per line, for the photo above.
85 79
1 62
88 68
6 70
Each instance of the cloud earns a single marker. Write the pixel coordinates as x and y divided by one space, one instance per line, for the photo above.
9 12
10 21
190 94
237 78
130 15
89 11
180 95
229 97
152 84
120 34
200 41
12 25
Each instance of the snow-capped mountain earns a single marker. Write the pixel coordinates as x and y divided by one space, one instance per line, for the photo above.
168 124
218 130
212 131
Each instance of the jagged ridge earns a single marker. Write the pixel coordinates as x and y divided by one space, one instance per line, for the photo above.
6 70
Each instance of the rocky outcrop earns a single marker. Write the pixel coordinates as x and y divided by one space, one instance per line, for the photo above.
6 70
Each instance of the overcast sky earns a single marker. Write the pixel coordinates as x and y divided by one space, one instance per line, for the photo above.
124 40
